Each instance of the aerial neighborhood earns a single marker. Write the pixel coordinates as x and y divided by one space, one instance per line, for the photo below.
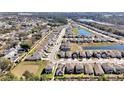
61 47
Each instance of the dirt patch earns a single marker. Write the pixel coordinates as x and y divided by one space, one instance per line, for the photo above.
21 68
75 47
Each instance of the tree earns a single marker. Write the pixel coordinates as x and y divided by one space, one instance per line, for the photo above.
27 75
30 76
26 44
60 19
9 77
5 64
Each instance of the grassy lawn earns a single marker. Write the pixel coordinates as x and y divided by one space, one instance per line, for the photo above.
75 31
75 47
113 75
74 76
96 44
33 67
47 76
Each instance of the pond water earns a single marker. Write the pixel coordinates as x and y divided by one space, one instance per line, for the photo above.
111 47
85 20
84 32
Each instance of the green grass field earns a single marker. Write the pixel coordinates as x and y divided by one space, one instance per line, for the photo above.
73 76
96 44
75 31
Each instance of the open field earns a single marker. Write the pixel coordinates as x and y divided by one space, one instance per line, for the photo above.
33 67
96 44
75 31
75 47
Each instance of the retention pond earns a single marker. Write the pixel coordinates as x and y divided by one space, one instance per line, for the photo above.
84 32
110 47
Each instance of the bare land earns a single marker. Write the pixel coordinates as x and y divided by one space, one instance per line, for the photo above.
33 67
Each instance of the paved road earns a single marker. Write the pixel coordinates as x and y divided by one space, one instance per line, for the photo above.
52 55
55 49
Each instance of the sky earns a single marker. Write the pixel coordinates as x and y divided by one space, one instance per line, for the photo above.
61 5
